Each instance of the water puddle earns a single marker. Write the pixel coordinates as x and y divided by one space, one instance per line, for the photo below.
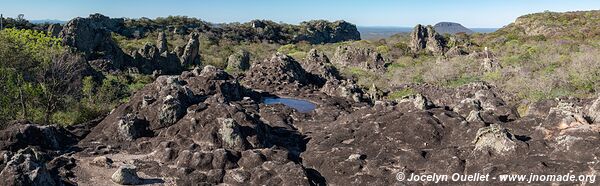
298 104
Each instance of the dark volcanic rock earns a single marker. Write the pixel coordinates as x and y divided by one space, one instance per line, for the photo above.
354 56
279 72
20 136
161 42
26 167
209 134
320 68
151 58
92 36
54 29
426 38
191 52
321 31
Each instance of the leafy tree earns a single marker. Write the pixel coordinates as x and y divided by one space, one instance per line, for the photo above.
32 75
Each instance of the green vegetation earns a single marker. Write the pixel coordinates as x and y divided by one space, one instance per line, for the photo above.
401 94
31 77
42 82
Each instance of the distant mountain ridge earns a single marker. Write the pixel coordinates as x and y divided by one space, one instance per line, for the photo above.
379 32
52 21
451 28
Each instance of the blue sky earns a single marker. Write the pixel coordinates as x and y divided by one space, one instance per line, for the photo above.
471 13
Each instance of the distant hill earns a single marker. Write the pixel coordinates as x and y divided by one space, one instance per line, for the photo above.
451 28
379 32
580 24
47 21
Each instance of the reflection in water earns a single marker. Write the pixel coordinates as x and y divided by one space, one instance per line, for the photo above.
300 105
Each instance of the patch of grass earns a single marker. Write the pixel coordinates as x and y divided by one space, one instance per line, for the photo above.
492 76
298 55
463 80
401 94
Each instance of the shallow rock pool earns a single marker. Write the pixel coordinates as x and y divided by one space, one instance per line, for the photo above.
302 106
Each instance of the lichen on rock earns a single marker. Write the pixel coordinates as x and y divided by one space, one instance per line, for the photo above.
494 138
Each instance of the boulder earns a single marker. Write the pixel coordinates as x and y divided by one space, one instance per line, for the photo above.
126 175
490 65
565 115
131 128
456 51
102 161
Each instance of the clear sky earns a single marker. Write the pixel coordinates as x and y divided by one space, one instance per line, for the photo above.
471 13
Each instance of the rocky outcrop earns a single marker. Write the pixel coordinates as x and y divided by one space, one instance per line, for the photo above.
346 89
456 51
318 65
161 42
489 62
92 36
47 137
593 111
314 32
54 29
496 139
217 137
152 58
191 52
131 127
277 73
418 101
26 167
239 61
359 57
320 31
425 38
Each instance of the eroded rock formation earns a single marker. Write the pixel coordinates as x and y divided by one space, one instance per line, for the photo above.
359 57
425 38
92 36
